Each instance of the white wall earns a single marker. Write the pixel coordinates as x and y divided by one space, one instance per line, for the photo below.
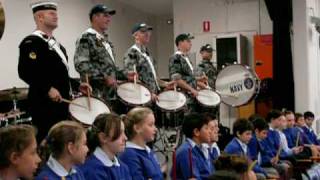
248 17
306 57
73 20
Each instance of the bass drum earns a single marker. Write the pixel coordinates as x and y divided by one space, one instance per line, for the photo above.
237 85
80 111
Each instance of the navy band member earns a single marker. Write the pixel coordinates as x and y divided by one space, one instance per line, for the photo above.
43 65
139 56
94 54
181 69
206 67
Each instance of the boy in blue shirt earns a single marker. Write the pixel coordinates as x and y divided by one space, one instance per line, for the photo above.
272 145
242 130
191 162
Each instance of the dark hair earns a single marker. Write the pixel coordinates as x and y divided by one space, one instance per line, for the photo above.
260 124
288 112
230 167
254 117
236 163
241 125
135 116
297 116
63 133
209 116
193 121
308 114
107 124
15 138
273 114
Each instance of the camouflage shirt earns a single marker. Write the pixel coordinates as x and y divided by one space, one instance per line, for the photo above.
180 68
94 56
139 56
206 67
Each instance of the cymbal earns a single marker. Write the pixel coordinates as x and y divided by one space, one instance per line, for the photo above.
13 93
13 114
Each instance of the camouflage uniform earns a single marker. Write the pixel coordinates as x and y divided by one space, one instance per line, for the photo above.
94 56
206 67
137 55
179 68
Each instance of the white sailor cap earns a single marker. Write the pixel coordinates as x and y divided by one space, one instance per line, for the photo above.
43 5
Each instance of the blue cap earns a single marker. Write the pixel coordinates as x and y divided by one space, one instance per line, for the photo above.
141 27
100 8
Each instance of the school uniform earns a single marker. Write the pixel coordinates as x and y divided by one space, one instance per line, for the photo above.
256 153
271 145
100 167
53 170
198 167
142 162
292 135
213 151
237 147
310 135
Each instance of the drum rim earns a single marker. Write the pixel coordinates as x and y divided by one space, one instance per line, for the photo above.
256 80
207 105
175 110
133 104
94 97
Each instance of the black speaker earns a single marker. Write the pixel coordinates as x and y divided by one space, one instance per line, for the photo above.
231 49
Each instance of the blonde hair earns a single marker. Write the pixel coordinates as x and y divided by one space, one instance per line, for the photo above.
63 133
135 116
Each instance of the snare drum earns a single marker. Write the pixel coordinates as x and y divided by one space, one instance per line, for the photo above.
237 85
134 94
208 98
79 109
171 101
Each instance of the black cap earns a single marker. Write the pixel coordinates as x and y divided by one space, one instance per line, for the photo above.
43 5
182 37
141 27
207 48
100 8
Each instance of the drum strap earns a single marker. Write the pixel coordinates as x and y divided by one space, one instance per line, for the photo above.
105 43
53 44
150 64
186 59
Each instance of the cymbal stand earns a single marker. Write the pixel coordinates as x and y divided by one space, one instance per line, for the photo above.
15 103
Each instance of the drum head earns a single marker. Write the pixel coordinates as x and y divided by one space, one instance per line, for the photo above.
134 94
83 114
208 98
171 100
237 85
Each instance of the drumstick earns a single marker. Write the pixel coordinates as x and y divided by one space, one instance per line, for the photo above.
134 77
252 165
88 93
70 102
298 139
174 165
206 83
278 152
190 162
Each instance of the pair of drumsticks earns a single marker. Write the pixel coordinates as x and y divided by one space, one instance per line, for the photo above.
88 97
